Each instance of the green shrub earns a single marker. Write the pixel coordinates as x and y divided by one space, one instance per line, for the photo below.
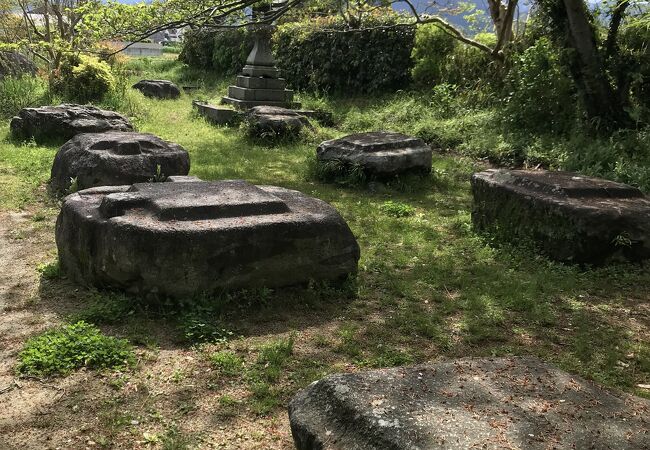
541 95
62 350
19 93
83 79
322 55
470 66
223 52
198 46
231 48
635 49
430 54
438 58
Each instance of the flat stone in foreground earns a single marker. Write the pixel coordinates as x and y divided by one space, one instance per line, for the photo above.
520 403
116 158
573 218
162 89
189 238
65 121
378 153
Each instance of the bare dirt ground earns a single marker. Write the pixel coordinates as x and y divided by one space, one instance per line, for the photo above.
169 401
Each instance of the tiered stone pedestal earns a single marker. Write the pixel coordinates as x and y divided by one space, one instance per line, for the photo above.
251 91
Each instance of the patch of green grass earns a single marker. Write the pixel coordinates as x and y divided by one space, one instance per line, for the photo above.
265 397
23 168
105 308
228 407
336 171
174 439
272 359
63 350
396 209
227 363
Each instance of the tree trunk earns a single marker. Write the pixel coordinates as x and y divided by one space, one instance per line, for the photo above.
601 103
502 26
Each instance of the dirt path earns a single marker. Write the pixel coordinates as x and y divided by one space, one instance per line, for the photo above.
87 410
22 248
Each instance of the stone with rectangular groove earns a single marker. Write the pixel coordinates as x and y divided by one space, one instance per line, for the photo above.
115 158
189 238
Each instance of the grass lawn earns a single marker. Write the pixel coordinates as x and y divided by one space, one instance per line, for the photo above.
218 373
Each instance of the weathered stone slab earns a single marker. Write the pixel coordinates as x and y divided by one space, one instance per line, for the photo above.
116 158
378 153
65 121
491 403
218 115
572 218
162 89
271 121
187 238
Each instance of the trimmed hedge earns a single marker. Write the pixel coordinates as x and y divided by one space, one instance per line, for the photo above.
317 54
223 52
323 55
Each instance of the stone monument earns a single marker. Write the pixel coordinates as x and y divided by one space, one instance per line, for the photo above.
260 82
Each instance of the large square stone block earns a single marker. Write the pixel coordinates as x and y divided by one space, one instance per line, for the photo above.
184 239
572 218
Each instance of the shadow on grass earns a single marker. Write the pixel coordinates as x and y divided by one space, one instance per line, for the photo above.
167 323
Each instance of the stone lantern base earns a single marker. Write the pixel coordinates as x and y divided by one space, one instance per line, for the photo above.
256 90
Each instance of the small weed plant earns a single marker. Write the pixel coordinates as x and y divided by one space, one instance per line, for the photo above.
63 350
49 271
397 209
198 329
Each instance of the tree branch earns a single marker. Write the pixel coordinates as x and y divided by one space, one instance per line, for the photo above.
614 25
